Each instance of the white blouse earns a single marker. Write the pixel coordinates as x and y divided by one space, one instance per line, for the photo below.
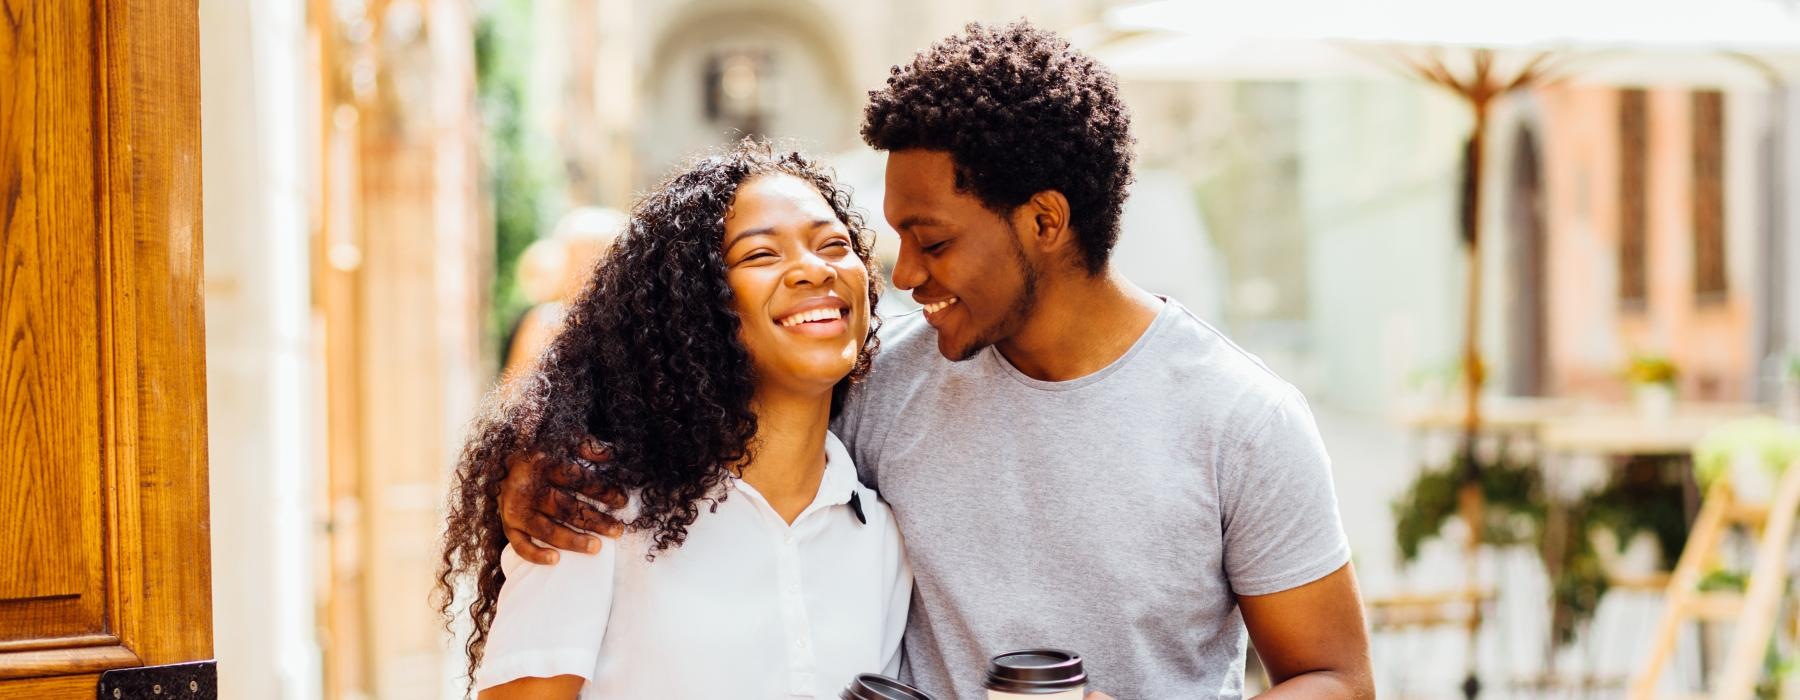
747 607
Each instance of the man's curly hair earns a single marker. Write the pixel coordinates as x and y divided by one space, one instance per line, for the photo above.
649 358
1020 112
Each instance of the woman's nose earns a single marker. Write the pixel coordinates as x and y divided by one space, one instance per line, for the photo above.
811 269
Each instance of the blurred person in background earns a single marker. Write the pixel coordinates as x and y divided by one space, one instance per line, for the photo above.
552 272
716 342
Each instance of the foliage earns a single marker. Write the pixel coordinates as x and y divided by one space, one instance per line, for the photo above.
1509 488
1651 369
516 168
1516 513
1775 444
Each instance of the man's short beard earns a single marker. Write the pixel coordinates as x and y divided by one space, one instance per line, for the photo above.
1016 315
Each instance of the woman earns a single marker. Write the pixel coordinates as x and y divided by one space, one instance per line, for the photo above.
717 339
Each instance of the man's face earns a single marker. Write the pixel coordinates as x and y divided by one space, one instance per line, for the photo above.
964 263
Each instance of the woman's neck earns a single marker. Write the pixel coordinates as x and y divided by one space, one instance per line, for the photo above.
788 452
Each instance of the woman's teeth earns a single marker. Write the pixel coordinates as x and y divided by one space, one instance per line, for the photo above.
813 315
939 306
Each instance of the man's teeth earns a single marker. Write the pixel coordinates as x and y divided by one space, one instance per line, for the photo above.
939 306
826 314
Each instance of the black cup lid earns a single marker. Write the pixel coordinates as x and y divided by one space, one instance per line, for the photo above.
873 686
1035 671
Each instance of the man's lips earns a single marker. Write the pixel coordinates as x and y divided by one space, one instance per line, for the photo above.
935 307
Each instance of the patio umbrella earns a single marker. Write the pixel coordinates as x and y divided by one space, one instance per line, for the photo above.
1478 50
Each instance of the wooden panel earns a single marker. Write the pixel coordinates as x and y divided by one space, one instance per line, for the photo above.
157 324
51 576
79 686
102 385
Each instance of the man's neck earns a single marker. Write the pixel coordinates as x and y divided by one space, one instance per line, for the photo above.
1081 325
788 452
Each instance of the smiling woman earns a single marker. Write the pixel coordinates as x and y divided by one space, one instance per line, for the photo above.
711 350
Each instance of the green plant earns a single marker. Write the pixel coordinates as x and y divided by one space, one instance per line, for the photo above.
1639 499
518 171
1651 369
1774 443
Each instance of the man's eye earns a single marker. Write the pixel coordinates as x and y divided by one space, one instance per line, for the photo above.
935 247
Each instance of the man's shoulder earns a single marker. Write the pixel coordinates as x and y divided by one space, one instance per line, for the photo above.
1190 345
907 332
908 346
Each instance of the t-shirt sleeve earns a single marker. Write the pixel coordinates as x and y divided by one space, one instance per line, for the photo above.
1280 511
551 619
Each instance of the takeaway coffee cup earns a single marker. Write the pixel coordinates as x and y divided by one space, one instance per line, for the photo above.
871 686
1036 674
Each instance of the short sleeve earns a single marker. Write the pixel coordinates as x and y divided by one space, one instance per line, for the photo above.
1280 513
551 619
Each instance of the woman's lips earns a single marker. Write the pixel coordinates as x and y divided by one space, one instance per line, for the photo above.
829 328
823 322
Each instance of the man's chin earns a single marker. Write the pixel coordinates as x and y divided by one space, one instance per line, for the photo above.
956 350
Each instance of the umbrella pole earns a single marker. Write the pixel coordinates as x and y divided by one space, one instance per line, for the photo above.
1471 502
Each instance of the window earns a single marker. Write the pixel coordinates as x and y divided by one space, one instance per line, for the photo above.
1709 196
1633 223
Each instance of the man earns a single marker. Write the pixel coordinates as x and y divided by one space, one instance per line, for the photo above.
1073 462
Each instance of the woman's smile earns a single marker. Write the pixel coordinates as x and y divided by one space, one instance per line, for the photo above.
819 317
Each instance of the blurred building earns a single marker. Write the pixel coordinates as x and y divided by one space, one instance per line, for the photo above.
630 87
345 279
1618 222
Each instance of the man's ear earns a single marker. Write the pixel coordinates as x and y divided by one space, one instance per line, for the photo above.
1044 221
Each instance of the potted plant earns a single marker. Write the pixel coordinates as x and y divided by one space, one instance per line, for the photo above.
1652 379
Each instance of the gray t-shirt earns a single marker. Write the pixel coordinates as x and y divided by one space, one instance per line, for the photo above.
1115 515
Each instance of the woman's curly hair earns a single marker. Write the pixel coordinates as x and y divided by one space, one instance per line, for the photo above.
1020 112
650 360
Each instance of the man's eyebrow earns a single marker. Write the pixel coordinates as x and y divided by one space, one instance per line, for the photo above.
917 220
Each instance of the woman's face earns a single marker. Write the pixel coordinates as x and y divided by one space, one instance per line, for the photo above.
801 292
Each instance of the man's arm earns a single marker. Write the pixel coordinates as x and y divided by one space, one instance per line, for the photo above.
1312 639
535 689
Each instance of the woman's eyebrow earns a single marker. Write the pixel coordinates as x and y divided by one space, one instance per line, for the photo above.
770 230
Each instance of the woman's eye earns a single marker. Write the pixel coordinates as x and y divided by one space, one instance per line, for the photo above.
837 243
758 255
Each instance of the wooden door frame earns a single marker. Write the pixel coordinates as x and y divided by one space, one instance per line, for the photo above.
150 336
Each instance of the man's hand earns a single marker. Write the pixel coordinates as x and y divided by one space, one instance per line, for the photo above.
554 515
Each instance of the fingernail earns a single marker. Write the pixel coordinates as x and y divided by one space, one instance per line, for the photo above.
593 545
550 558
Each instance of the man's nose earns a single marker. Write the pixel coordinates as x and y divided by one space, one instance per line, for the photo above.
908 272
